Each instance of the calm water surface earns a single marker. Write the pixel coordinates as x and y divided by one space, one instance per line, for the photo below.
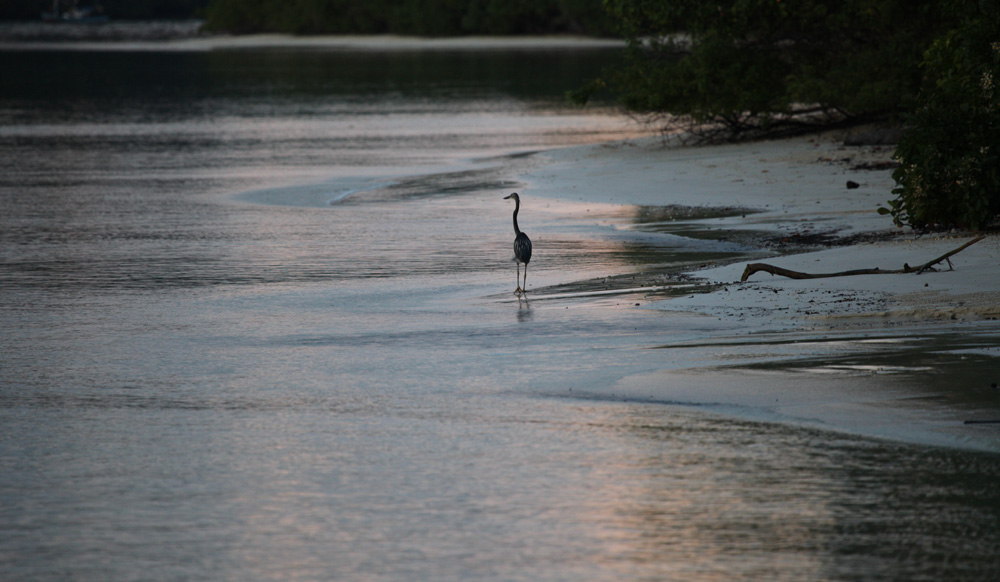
257 325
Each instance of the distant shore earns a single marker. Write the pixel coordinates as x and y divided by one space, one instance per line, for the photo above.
112 31
188 35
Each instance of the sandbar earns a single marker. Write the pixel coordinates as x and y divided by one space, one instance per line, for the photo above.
909 357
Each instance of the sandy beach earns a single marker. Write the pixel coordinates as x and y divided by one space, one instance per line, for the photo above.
900 356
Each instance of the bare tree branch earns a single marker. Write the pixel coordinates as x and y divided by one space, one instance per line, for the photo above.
752 268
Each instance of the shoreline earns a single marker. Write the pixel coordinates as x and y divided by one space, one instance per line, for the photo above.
186 36
799 210
895 356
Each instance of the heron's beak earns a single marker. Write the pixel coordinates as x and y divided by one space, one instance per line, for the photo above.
508 197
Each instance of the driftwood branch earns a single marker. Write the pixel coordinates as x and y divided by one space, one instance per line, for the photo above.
755 267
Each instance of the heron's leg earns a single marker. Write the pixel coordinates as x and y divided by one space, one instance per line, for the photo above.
518 280
525 288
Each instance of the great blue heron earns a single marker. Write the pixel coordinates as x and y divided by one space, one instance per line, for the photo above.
522 247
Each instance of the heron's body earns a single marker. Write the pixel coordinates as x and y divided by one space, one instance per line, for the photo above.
522 247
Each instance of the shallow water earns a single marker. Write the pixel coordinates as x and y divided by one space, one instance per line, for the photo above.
257 324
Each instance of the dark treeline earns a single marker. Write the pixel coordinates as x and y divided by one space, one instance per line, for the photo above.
757 67
417 17
119 9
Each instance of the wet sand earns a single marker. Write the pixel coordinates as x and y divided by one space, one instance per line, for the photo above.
899 356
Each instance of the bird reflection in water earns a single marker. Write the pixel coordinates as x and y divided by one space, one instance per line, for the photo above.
524 311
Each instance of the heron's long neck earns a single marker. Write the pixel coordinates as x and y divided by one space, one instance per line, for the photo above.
517 206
